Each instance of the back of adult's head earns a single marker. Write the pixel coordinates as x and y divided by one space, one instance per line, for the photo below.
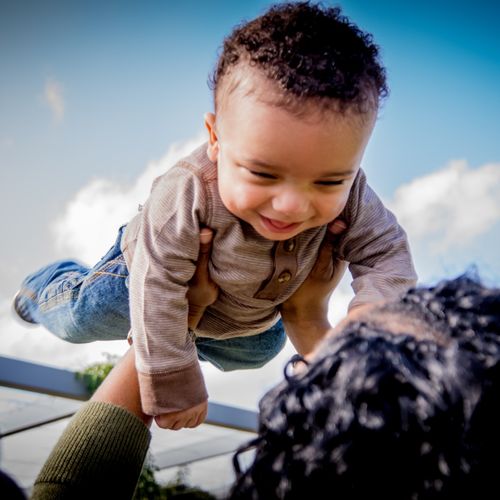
387 414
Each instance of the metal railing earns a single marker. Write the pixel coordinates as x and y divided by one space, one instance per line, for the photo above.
33 377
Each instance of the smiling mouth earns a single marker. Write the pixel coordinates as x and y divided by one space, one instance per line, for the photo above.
278 226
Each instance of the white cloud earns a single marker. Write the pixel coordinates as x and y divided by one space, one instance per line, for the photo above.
37 345
89 224
448 207
451 207
53 95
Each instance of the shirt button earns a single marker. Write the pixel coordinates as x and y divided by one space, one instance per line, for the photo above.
284 277
289 245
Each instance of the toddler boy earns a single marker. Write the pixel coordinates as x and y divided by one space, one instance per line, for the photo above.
296 95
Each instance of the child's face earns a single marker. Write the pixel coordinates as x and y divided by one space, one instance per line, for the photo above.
279 173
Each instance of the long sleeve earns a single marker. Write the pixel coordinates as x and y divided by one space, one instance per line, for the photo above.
376 248
99 455
166 250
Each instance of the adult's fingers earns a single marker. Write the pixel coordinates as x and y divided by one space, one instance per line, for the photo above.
206 235
327 265
201 273
202 291
337 226
323 267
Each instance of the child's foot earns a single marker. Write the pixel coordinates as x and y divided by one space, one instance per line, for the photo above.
17 311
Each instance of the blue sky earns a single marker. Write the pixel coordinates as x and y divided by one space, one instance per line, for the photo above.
94 94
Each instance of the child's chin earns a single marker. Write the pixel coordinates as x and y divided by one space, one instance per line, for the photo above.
276 236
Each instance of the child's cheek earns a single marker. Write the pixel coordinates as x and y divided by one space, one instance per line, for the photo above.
231 206
344 198
252 198
338 205
343 203
234 202
245 197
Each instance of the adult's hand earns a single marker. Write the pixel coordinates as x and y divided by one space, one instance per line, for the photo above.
202 290
311 298
305 313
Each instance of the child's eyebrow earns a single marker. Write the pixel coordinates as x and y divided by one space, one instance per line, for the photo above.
341 173
259 163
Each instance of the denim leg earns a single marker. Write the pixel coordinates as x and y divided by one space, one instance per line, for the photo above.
241 353
77 303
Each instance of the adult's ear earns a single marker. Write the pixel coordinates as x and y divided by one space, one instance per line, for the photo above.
213 142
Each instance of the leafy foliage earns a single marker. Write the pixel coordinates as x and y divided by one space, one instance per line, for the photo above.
93 375
147 487
177 489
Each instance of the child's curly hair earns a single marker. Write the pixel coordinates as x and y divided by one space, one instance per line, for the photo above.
310 52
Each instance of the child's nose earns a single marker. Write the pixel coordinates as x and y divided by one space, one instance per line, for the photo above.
291 202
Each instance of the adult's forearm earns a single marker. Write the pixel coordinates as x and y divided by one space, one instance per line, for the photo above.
305 333
121 388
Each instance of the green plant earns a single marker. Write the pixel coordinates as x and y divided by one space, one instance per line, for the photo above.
147 487
93 375
177 489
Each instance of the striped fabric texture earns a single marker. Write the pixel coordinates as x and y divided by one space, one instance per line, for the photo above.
255 275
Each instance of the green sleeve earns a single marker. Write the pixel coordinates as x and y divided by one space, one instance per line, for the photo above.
99 455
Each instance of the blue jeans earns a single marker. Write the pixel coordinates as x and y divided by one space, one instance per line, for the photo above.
81 304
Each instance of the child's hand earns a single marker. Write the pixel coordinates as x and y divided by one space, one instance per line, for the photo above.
191 417
202 290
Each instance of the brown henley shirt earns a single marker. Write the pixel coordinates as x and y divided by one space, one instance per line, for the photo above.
254 274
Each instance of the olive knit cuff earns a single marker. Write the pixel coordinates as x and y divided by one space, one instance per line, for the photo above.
100 453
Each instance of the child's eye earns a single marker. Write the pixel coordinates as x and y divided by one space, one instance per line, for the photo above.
330 183
263 175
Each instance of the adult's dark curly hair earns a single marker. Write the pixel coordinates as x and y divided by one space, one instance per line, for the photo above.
310 52
387 415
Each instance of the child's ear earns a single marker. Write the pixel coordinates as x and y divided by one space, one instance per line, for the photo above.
213 142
